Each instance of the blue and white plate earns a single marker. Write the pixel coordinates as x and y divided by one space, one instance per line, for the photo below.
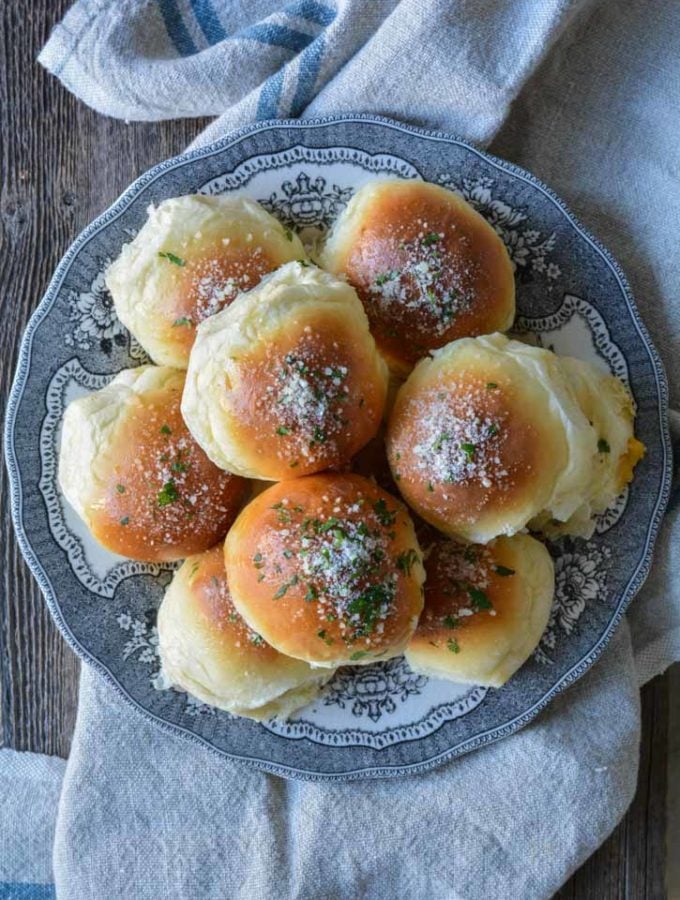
381 720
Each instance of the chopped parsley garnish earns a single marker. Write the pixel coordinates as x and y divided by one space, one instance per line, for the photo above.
165 429
491 385
406 560
359 655
492 429
177 260
431 238
124 520
430 486
453 645
284 587
469 451
167 494
288 234
179 466
385 277
479 598
503 570
304 263
258 561
282 514
318 437
470 554
603 446
233 618
120 488
183 320
368 607
324 637
257 639
330 523
282 430
439 443
450 621
312 593
385 516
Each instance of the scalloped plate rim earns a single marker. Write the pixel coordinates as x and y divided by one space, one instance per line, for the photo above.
114 211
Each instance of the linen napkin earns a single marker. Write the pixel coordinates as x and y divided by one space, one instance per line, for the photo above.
584 94
30 784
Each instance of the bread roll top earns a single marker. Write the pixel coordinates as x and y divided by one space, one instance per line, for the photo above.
328 569
190 259
131 469
427 267
287 381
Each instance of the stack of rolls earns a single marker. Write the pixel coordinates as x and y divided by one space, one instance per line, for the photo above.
291 403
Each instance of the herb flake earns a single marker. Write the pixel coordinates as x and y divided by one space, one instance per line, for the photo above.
167 494
171 257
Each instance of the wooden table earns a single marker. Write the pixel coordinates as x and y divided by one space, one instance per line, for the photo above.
60 165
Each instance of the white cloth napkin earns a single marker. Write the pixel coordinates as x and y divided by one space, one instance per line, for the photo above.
585 95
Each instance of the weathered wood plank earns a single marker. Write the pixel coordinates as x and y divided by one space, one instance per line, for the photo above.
60 165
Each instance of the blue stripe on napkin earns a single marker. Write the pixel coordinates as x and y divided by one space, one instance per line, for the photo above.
208 21
270 94
16 890
176 28
310 63
311 10
269 33
277 36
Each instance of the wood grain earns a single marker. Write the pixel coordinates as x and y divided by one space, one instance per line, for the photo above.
60 165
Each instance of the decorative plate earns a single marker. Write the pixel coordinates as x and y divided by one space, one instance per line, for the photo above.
381 720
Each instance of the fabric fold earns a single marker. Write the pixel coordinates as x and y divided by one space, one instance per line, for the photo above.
512 819
30 784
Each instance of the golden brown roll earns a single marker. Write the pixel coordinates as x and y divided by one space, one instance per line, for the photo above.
608 405
428 268
208 650
132 471
287 381
327 569
486 608
487 434
190 259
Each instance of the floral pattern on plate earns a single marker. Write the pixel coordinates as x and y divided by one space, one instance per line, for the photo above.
380 720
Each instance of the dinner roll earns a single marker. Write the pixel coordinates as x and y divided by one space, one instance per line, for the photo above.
487 434
190 259
208 650
327 569
132 471
486 608
608 405
428 268
287 380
